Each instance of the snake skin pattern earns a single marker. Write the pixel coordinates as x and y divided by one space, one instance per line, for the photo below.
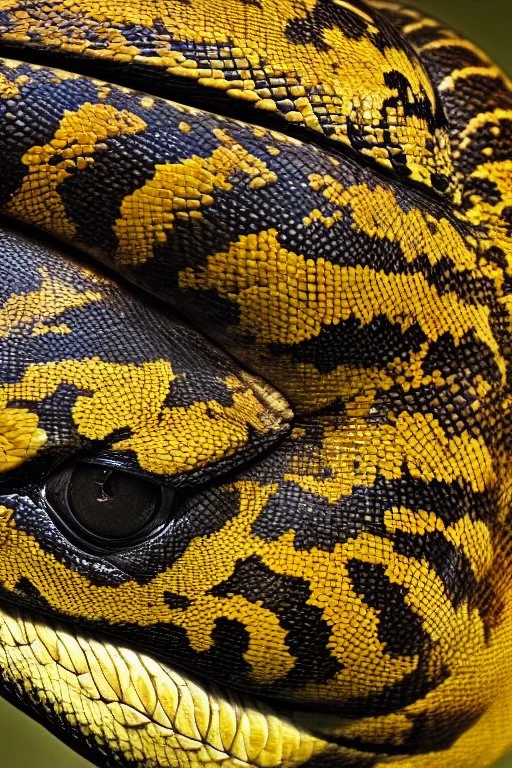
255 347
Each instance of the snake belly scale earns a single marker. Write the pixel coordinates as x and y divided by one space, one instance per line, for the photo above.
255 366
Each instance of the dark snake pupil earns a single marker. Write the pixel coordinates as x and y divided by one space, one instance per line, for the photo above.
104 506
111 504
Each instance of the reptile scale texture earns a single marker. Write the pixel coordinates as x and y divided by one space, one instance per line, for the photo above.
255 358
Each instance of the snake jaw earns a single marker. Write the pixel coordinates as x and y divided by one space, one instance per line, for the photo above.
78 682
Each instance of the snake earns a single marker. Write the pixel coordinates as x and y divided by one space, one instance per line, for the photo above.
255 403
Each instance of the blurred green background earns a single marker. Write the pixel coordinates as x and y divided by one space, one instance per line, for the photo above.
26 744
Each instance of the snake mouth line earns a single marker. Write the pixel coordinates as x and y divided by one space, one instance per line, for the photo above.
99 675
156 82
68 680
21 607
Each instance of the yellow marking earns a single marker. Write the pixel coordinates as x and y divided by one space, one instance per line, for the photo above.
6 515
492 118
488 664
20 437
478 681
40 329
357 11
286 298
125 396
88 698
447 627
104 91
209 560
357 452
357 387
450 81
505 489
36 310
15 64
354 625
317 215
417 26
180 190
377 213
452 40
268 654
493 214
383 5
79 136
10 89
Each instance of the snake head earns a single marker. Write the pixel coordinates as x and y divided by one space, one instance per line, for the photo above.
254 437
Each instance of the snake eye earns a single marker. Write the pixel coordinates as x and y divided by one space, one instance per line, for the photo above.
106 508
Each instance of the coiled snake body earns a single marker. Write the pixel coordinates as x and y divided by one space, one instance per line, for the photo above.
256 462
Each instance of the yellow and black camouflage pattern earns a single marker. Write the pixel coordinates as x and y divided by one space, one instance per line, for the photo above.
256 264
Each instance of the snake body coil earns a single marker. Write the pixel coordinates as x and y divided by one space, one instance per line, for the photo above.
256 463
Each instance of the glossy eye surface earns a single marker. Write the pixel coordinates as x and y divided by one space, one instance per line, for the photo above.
105 507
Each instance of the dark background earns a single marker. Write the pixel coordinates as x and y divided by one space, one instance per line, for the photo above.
24 743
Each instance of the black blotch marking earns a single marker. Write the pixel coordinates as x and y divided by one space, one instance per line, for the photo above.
465 285
25 586
421 107
336 759
286 596
317 523
506 215
473 156
495 255
450 564
351 343
454 412
473 95
464 360
448 57
488 601
429 733
175 601
183 390
399 627
30 125
437 732
486 189
413 687
325 15
440 182
230 642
